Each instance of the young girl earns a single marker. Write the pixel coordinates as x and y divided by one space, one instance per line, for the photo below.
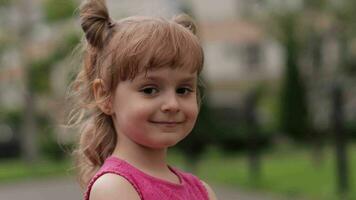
138 95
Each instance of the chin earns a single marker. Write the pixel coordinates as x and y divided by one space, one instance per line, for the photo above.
163 145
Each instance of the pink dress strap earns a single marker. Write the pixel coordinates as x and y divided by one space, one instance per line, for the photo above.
152 188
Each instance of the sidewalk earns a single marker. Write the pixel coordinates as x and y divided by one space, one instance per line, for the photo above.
43 189
66 188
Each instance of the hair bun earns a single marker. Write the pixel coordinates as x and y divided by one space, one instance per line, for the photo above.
186 21
95 22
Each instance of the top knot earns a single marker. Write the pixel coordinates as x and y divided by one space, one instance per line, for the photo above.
186 21
96 22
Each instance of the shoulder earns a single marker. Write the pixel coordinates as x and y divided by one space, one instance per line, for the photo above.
113 187
211 193
194 179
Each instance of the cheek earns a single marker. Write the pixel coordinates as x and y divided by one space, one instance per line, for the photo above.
192 111
136 114
132 123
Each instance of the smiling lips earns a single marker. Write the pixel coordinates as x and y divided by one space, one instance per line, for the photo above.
168 123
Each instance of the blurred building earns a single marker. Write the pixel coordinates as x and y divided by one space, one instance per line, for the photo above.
239 54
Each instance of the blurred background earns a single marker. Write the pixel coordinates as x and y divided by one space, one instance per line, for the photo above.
278 117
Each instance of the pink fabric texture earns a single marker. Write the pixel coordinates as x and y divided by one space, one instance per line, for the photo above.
152 188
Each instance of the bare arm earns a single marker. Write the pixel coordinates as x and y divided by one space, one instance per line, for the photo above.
211 193
113 187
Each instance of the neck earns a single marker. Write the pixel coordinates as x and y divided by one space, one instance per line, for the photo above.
142 157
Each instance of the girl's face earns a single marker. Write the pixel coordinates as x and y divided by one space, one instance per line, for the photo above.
156 109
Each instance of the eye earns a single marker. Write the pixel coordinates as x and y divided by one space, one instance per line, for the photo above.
149 90
184 90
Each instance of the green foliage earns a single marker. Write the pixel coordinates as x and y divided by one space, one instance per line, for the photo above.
49 145
39 83
293 104
185 7
350 127
39 75
316 4
269 104
240 129
6 39
13 118
58 10
235 137
65 47
10 147
39 71
230 131
5 2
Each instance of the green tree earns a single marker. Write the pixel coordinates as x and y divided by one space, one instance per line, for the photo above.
55 10
36 72
294 118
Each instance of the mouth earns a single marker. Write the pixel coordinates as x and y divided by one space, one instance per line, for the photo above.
167 122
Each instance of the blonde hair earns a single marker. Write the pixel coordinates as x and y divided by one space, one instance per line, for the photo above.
115 51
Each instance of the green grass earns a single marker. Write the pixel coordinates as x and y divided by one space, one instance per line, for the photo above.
287 172
13 170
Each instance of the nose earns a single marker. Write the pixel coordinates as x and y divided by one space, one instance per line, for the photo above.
170 103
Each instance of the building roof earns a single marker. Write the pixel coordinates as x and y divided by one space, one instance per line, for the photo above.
233 31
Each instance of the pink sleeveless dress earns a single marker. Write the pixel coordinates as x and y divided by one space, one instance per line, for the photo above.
152 188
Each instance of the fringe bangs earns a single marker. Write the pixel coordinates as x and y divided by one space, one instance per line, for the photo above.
142 47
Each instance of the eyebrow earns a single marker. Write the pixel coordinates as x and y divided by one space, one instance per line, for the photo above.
157 78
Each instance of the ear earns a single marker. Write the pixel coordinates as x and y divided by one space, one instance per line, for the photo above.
101 98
